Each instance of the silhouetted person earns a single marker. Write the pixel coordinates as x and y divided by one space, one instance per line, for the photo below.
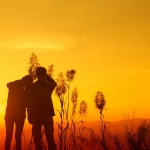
16 110
40 109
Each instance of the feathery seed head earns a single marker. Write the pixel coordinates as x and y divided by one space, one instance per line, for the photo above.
99 101
61 87
74 100
83 108
70 74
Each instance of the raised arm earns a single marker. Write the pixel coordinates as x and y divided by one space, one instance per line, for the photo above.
51 81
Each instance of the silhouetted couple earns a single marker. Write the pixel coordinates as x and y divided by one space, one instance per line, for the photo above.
36 97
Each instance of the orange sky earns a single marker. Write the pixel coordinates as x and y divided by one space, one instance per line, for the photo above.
106 42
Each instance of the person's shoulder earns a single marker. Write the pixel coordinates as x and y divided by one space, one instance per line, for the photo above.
46 83
39 83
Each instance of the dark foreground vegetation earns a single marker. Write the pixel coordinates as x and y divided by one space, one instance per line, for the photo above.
73 135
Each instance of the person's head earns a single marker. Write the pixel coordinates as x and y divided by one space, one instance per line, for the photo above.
41 73
27 81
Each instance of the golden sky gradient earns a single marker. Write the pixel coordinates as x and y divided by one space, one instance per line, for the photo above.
106 42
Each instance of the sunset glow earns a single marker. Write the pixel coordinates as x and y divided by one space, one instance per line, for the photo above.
106 42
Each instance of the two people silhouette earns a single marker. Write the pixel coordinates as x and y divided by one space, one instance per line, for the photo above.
36 97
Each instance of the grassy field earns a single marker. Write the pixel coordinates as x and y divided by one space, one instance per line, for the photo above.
130 134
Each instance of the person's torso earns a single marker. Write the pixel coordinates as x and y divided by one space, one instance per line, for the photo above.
15 101
42 102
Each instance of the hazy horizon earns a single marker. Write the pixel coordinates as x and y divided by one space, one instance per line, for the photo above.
106 42
115 128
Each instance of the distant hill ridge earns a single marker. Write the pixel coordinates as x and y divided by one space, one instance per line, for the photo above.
116 128
136 120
